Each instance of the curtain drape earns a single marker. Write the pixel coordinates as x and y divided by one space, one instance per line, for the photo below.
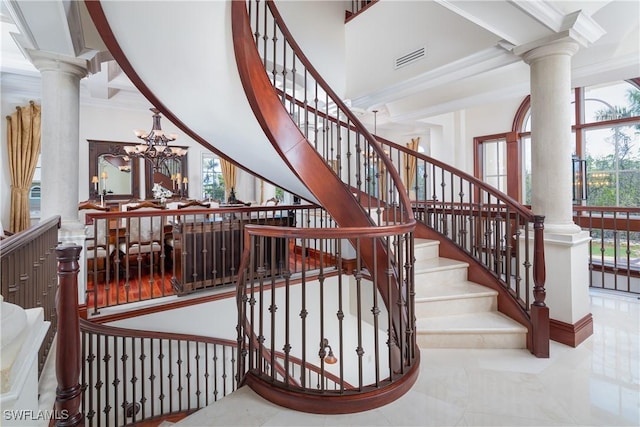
229 171
410 164
23 141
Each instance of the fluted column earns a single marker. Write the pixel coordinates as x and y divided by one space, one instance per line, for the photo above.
552 144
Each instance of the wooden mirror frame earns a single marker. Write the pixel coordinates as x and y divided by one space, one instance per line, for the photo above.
98 148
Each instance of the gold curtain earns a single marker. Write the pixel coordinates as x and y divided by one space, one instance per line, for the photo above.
229 176
382 180
410 163
23 141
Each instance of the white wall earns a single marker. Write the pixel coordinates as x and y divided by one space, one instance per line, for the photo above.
322 38
112 124
491 118
109 124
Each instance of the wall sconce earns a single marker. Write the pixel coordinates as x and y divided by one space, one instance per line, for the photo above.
95 181
328 358
579 173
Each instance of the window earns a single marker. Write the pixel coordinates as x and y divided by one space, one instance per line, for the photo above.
611 145
212 179
35 193
606 125
497 163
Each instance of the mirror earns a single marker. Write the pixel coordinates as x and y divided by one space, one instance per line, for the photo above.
112 172
170 174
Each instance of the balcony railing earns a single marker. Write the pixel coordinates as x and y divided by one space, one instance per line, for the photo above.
327 344
28 274
614 250
186 250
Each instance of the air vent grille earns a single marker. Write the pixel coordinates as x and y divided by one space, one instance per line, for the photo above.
410 57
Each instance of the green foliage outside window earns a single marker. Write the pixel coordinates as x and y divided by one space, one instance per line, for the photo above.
212 179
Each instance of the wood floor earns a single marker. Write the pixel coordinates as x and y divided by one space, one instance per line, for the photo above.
138 288
140 285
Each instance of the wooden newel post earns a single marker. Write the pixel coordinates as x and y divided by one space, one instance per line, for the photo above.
68 357
539 310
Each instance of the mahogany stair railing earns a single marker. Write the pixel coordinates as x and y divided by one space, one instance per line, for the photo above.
344 167
473 213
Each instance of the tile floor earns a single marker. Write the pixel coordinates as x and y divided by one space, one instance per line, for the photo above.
596 384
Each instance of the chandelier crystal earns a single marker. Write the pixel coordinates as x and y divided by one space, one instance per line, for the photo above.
156 149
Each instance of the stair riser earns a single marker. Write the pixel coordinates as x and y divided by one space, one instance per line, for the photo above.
435 308
424 252
472 340
443 277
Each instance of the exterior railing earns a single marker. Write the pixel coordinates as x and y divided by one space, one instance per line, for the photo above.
614 250
338 342
195 249
28 274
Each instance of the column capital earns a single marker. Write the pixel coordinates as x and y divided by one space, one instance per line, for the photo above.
542 49
47 61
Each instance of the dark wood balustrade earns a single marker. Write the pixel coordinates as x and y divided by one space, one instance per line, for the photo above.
341 315
195 249
369 166
115 376
500 238
28 274
343 166
614 250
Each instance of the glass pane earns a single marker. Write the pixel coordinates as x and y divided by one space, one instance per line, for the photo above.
212 180
610 102
35 194
525 144
613 166
495 165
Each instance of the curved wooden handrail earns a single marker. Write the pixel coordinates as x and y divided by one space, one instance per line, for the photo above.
490 208
305 161
97 328
286 136
505 198
101 23
404 202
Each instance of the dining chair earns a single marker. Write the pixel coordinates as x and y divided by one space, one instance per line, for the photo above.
97 247
143 238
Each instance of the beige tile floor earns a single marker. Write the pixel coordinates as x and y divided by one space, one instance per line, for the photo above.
596 384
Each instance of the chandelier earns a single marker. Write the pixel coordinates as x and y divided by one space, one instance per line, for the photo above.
156 149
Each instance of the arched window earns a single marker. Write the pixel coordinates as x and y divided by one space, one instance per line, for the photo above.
606 130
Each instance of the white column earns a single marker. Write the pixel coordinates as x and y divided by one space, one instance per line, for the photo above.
60 134
60 145
552 145
551 142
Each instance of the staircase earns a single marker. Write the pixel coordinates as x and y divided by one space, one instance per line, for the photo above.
453 312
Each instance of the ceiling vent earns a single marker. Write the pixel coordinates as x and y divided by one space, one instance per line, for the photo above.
410 57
